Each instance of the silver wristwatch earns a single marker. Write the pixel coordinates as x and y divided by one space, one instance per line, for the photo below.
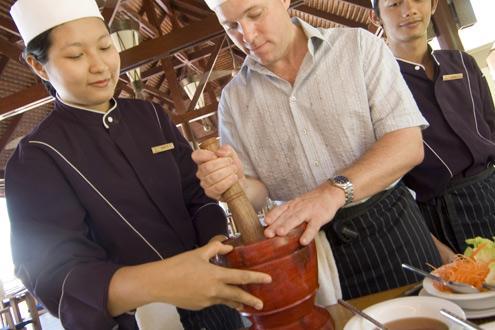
345 184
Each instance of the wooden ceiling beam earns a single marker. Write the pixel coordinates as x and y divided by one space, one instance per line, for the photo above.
146 52
110 10
8 26
196 114
10 50
149 9
205 77
3 63
192 7
159 94
192 15
171 43
330 17
361 3
173 85
166 6
24 100
146 27
191 57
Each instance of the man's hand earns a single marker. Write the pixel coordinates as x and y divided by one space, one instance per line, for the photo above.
316 208
218 171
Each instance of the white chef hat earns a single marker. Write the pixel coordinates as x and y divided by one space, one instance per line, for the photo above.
214 3
33 17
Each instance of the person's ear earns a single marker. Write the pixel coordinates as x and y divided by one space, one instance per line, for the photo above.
37 67
375 20
434 4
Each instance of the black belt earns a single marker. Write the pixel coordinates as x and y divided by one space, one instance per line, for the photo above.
338 225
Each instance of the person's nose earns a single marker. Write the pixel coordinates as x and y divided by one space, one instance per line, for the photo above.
97 64
408 8
248 32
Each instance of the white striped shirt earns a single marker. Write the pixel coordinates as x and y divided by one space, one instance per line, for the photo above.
347 94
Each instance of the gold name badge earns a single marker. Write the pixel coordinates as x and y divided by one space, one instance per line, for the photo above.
162 148
454 76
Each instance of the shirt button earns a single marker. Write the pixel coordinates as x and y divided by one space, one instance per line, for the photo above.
305 131
317 163
110 119
417 67
292 99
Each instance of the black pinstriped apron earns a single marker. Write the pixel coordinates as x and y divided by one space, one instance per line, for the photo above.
371 240
465 210
217 317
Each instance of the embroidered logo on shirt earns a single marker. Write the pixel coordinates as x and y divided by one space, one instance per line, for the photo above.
455 76
162 148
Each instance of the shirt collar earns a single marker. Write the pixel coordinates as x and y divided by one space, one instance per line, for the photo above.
314 35
315 39
432 52
83 114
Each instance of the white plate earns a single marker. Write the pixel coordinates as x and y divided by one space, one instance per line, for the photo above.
473 301
406 307
488 326
470 313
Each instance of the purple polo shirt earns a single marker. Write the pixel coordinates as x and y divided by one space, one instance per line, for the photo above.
457 103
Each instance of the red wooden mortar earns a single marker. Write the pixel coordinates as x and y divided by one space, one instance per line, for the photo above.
288 302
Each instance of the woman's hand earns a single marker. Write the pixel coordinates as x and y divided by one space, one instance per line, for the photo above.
188 280
199 283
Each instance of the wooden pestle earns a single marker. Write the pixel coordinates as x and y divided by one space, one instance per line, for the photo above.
243 213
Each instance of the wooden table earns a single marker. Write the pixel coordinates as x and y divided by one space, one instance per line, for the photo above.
341 315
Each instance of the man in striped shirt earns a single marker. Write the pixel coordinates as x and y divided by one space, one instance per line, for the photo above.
322 119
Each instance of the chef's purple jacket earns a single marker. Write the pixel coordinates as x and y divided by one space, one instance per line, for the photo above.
86 195
460 141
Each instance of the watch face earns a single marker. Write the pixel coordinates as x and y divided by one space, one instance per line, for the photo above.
340 179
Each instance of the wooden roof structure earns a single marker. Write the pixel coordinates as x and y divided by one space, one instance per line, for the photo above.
180 39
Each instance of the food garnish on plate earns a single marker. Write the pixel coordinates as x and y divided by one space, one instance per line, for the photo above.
475 267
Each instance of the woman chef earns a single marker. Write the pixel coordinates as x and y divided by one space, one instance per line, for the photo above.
106 212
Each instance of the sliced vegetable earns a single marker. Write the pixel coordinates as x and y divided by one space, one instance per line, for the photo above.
463 269
490 278
482 249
